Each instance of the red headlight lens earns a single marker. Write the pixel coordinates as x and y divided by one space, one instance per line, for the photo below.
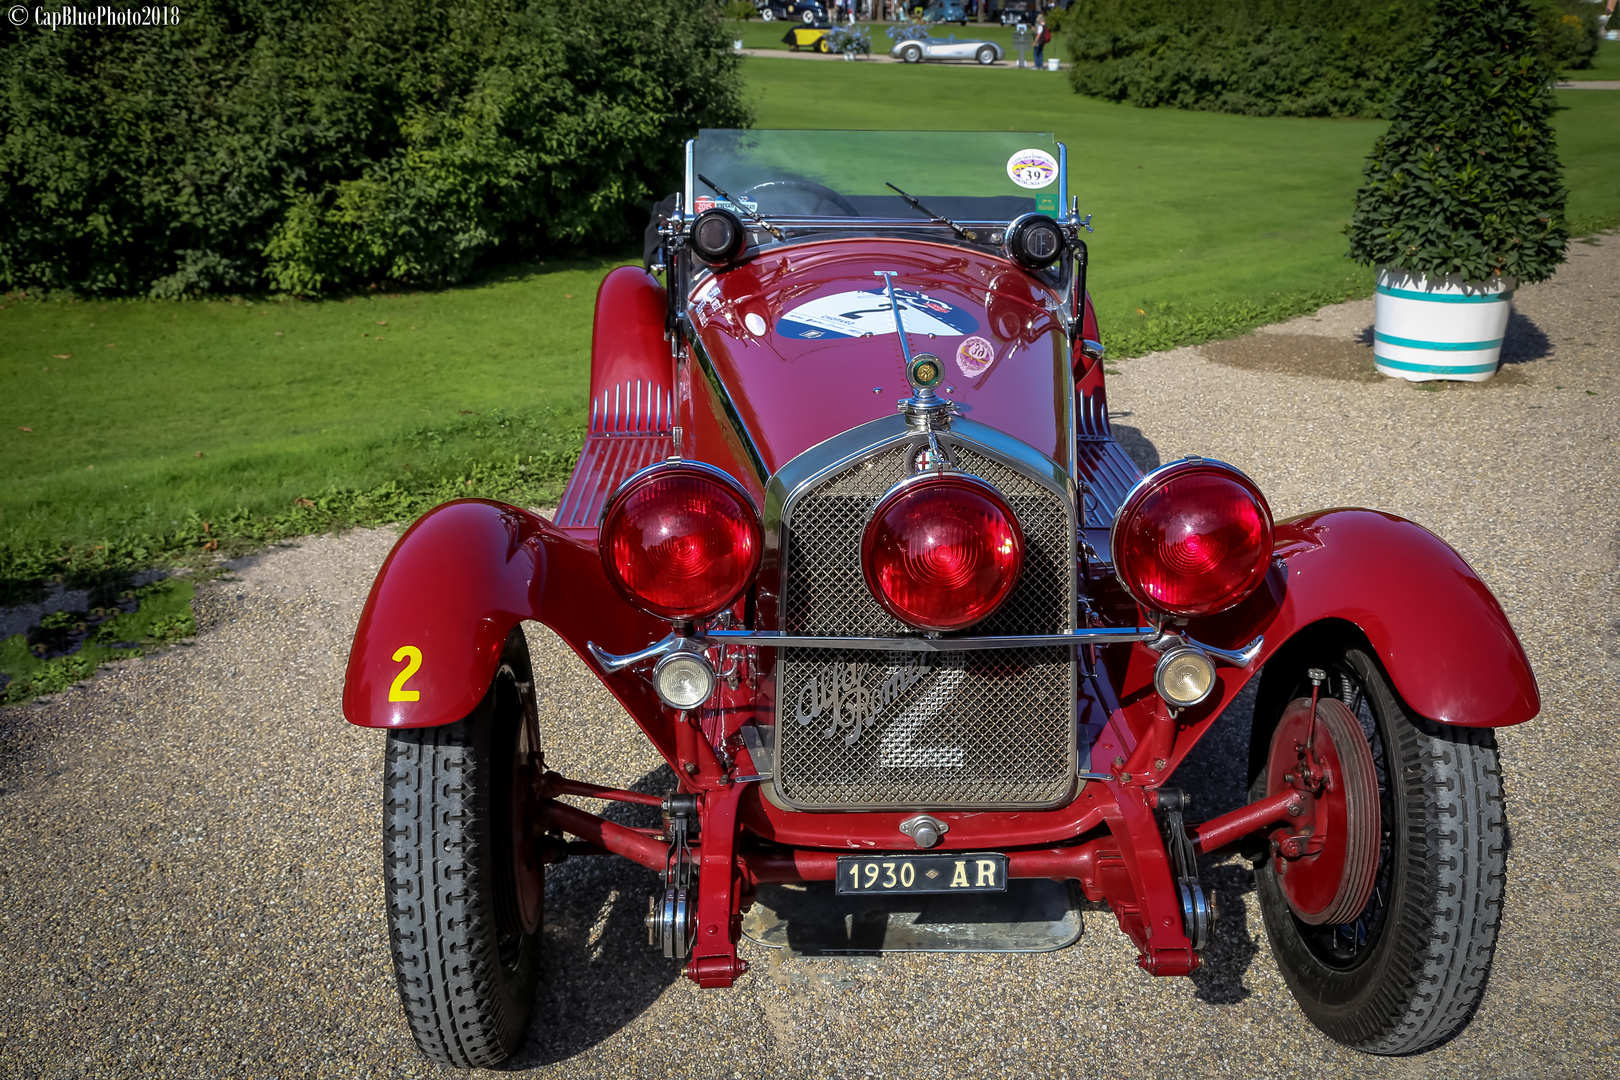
1193 538
942 552
681 542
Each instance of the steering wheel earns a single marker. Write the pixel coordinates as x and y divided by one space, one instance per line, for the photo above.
822 194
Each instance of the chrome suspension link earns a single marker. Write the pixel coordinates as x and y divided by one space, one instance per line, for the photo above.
1197 908
672 917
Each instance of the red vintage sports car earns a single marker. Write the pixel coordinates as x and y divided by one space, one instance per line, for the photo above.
853 543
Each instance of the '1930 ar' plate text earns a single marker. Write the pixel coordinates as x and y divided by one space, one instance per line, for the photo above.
921 873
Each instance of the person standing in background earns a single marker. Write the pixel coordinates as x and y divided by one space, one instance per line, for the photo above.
1042 36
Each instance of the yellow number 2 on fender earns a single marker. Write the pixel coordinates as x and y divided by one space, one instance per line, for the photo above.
412 656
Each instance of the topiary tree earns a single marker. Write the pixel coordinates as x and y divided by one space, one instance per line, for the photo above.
1467 179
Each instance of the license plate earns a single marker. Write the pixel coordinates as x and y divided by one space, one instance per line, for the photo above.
867 874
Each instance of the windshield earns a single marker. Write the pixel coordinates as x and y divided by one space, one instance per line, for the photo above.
982 176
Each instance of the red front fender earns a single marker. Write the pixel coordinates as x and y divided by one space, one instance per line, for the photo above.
1439 632
448 595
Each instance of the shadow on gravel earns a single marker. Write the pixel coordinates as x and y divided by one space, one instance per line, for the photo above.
1138 446
1298 354
1216 776
1525 341
599 973
1352 361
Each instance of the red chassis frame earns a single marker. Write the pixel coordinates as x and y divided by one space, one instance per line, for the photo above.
464 575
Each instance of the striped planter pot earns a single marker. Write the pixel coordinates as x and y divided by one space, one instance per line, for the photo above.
1444 328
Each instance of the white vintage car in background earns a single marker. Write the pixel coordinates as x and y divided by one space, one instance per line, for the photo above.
916 50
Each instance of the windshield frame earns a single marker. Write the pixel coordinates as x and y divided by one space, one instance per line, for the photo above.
807 226
685 273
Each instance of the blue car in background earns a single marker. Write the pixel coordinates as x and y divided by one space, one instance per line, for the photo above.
946 11
805 11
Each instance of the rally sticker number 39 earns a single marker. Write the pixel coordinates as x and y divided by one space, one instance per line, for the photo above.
956 873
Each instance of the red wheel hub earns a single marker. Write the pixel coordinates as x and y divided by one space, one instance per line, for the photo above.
1326 860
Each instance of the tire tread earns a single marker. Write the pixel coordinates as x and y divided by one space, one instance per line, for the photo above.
439 930
1435 952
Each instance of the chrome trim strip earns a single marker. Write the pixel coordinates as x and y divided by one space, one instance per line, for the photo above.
888 277
1071 424
868 439
1086 636
717 386
1240 657
1063 180
611 662
667 645
1236 657
686 205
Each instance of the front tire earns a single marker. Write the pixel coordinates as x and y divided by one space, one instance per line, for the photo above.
1408 971
809 18
911 54
464 890
767 15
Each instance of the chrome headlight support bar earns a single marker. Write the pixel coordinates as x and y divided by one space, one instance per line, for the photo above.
715 638
697 641
1084 636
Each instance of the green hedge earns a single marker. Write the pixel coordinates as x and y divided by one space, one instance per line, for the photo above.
1272 57
305 147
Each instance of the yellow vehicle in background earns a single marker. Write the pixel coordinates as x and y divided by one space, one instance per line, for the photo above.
811 36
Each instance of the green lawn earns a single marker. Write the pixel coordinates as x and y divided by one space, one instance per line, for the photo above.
122 416
1588 124
1205 224
1189 208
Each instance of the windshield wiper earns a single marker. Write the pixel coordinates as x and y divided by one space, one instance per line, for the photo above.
915 205
718 190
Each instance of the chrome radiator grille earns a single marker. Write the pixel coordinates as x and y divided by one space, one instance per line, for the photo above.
922 731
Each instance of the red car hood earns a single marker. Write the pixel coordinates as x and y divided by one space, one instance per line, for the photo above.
804 342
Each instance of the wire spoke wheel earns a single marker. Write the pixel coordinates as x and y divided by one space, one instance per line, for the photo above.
1405 968
465 890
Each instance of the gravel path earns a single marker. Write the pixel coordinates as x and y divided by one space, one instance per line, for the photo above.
191 881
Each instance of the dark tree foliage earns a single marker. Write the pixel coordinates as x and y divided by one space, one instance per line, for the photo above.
1467 178
1569 31
1274 57
328 143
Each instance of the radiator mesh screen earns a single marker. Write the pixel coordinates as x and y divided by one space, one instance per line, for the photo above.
872 730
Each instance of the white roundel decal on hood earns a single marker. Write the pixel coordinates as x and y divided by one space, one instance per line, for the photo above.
1032 168
864 312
